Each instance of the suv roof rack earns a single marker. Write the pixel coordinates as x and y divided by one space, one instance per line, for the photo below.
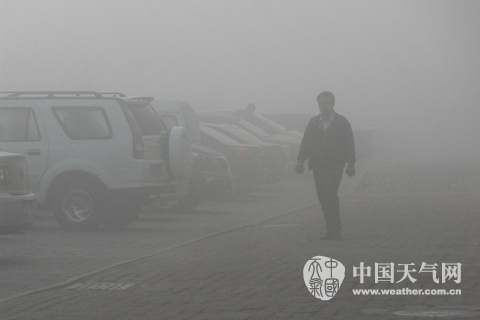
113 94
139 101
50 94
76 94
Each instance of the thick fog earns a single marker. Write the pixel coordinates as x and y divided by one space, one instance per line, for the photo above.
408 68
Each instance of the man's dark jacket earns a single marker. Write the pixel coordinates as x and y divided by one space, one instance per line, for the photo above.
330 148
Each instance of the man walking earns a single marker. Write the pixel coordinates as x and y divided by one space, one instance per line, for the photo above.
328 145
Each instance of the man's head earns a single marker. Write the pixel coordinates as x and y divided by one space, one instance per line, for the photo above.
326 102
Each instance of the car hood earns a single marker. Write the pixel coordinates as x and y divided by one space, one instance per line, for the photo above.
284 139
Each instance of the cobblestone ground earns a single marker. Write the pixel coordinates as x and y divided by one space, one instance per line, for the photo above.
255 272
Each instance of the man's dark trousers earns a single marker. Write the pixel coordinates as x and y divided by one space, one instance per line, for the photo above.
327 180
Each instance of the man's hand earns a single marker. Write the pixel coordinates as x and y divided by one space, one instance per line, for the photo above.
299 168
350 171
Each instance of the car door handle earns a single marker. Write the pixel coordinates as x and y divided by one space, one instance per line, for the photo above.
33 152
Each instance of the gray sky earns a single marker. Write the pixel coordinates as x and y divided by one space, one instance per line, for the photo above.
388 60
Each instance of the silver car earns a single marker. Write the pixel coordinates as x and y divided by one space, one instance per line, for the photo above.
94 158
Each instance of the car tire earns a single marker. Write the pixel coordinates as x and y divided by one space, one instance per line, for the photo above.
78 205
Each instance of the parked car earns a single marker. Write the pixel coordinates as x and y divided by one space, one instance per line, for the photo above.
212 174
267 125
291 121
220 117
217 177
94 158
17 203
276 155
247 161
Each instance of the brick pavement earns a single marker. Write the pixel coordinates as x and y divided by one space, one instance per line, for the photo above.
255 272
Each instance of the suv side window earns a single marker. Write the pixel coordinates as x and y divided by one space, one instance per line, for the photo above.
18 124
83 123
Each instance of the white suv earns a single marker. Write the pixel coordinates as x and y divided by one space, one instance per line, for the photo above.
94 158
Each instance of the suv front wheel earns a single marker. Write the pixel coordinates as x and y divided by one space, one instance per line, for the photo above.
78 206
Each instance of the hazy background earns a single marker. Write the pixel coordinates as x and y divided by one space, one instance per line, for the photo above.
410 68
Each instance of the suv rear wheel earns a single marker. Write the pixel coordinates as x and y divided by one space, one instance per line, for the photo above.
78 205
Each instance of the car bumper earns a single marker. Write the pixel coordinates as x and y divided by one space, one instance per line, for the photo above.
17 213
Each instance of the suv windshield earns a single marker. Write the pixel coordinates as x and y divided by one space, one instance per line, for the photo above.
147 119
